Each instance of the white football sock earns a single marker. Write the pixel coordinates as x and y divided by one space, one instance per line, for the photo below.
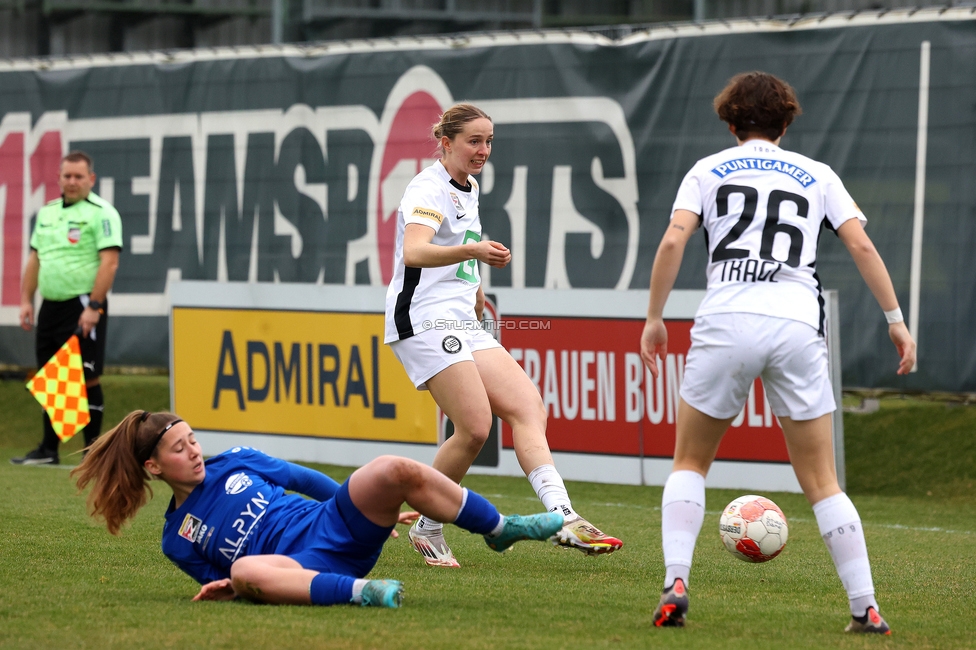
429 525
840 527
497 530
682 514
357 590
548 484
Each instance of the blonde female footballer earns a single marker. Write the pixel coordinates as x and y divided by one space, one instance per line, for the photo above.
433 314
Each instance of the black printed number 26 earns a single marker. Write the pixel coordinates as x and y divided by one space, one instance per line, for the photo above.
773 227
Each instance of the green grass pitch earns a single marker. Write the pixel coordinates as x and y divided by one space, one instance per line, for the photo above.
66 583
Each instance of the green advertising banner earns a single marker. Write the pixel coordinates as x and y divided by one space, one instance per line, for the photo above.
287 166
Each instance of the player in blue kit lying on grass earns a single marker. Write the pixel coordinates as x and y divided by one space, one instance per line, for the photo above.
231 526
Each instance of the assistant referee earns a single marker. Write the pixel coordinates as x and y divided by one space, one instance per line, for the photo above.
74 254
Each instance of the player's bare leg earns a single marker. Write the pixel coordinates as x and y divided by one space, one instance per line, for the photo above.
460 394
379 489
810 443
515 399
273 579
811 447
697 437
281 580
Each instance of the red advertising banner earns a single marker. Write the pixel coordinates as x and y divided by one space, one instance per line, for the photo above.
601 400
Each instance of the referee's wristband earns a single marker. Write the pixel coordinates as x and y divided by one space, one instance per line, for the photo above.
894 316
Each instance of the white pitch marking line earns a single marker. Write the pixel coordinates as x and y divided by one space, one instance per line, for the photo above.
919 529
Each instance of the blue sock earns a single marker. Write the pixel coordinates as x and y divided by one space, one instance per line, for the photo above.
477 514
331 589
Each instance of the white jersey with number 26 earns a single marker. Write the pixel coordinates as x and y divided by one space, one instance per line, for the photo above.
762 209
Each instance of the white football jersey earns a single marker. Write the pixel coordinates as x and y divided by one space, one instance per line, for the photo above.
416 296
762 209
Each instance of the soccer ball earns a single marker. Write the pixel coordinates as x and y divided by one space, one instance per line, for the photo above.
753 528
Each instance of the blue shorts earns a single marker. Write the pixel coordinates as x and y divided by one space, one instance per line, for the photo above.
339 538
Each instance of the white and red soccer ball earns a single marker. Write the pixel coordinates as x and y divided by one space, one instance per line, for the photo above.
753 528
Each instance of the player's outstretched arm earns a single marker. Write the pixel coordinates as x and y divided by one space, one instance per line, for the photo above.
875 274
310 482
667 262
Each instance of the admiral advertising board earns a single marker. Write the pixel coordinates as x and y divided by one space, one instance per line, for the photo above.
294 372
303 374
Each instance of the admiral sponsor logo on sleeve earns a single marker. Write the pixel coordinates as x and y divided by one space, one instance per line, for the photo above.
765 164
427 213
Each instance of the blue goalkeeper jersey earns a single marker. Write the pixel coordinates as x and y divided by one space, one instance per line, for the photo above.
241 508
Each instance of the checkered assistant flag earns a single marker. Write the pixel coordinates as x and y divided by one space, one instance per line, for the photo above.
60 388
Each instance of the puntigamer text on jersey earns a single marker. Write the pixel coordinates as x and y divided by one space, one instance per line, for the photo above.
741 164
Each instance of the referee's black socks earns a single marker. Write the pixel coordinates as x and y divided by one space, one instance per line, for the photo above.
96 409
51 440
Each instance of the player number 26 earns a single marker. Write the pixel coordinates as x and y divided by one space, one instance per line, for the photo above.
773 226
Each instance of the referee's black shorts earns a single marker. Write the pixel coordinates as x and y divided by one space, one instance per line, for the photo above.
57 321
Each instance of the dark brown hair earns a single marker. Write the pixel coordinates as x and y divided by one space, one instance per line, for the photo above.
79 156
757 103
120 482
453 120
